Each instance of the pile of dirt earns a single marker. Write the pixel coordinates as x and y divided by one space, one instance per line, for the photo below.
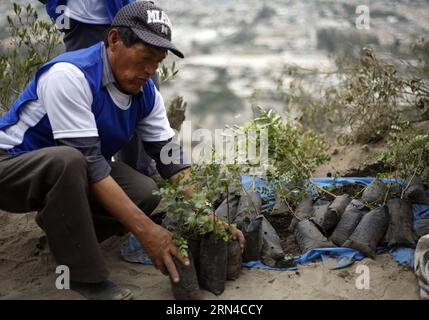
287 238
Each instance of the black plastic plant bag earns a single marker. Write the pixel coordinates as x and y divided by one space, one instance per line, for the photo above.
249 206
339 205
280 208
308 237
234 260
348 222
194 249
252 231
369 232
187 288
213 264
272 250
304 210
374 192
415 192
400 230
325 219
233 201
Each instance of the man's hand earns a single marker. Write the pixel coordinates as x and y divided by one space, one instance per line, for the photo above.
159 246
237 235
241 240
156 240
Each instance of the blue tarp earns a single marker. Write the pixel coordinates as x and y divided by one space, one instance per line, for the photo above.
132 251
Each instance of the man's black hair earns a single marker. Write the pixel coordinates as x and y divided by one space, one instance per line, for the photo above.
127 36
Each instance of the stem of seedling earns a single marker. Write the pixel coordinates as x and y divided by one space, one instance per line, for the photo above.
414 174
290 208
227 203
323 190
250 198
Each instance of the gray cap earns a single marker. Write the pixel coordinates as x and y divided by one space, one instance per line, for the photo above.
149 22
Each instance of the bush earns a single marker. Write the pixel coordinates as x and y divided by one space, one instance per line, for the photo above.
32 42
361 100
407 151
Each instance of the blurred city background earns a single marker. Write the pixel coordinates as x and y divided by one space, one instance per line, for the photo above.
236 49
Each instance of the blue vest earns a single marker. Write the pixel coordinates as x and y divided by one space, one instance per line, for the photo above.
112 7
115 126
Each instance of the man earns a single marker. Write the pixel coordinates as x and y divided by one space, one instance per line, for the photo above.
89 21
58 138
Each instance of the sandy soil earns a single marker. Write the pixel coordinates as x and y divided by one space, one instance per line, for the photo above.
27 273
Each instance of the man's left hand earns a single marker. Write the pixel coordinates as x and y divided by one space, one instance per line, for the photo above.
241 240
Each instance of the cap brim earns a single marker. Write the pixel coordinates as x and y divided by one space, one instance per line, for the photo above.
157 41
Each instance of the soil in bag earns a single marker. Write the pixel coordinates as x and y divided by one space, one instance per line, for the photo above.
187 288
325 219
348 222
308 236
234 260
369 232
304 210
213 264
252 231
272 250
416 191
400 230
374 192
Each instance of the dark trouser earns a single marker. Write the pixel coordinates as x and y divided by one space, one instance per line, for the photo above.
53 181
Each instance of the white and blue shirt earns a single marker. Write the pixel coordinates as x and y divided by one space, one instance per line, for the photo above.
74 96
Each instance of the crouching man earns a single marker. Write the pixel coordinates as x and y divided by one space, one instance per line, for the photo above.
58 138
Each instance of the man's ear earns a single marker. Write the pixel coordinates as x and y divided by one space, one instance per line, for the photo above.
113 38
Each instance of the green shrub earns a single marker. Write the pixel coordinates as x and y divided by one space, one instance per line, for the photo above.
32 42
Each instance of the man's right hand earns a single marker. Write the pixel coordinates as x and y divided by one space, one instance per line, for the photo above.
155 239
159 246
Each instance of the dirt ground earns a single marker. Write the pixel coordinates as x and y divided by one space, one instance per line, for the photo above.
28 273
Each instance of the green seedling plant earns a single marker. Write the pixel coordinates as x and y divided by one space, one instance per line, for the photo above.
407 152
294 153
194 216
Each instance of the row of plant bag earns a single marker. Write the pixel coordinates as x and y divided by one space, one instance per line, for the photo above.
206 239
382 215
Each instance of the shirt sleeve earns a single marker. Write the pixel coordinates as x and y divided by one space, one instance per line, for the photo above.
98 167
173 153
67 97
156 127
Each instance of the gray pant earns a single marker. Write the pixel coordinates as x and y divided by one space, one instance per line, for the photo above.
53 181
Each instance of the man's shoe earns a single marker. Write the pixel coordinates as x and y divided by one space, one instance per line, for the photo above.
106 290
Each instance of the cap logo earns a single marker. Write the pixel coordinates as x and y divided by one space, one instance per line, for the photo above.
156 16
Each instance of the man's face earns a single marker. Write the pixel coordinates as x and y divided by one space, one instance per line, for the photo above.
133 66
